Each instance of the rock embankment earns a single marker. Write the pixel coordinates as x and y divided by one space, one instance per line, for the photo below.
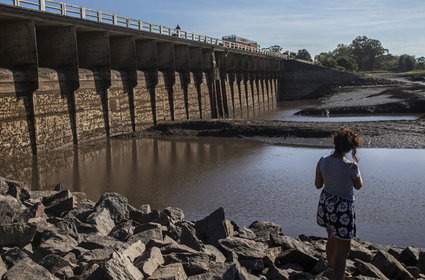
62 235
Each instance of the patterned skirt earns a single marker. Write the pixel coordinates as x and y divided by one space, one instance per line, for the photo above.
337 214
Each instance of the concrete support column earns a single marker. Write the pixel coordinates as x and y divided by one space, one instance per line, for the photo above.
246 78
57 49
147 61
195 60
94 54
230 71
239 78
182 66
124 60
18 53
208 64
221 58
251 75
262 77
166 65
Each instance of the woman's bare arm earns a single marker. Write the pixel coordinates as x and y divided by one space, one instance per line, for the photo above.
318 181
358 181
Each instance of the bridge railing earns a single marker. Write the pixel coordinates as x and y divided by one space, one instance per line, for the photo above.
66 9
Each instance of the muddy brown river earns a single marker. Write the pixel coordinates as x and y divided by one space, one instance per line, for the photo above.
251 180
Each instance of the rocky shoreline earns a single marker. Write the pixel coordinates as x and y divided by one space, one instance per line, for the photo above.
63 235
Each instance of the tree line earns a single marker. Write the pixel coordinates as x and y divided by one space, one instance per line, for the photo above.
363 54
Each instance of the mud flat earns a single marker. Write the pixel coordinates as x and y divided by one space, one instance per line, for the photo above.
63 235
392 97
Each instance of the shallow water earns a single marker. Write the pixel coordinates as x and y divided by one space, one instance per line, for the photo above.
251 180
285 111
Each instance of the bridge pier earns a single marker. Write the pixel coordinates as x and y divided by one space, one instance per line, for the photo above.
182 66
124 63
195 60
167 66
208 62
147 61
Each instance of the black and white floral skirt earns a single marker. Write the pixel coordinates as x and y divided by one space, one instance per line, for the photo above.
338 215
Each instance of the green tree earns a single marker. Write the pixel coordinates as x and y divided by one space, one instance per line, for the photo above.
406 63
275 48
347 63
387 62
366 52
326 60
342 50
420 63
304 55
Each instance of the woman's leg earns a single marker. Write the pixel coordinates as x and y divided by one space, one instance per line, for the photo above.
342 248
330 248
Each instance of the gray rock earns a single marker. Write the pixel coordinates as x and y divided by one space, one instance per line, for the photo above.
149 261
62 207
17 234
176 214
34 210
307 261
421 262
224 271
134 250
56 197
12 256
146 232
65 227
271 255
256 265
188 236
320 266
58 266
15 189
177 248
215 253
54 243
96 255
152 217
416 272
213 228
11 210
367 269
145 208
3 268
173 271
28 269
264 230
360 253
192 263
91 242
116 204
244 248
102 221
410 256
278 274
246 233
122 231
391 267
160 243
120 267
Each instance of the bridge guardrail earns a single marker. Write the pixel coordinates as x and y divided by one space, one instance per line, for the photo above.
66 9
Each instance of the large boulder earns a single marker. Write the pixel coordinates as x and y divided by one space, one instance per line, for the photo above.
59 203
116 204
58 266
101 220
421 262
214 227
367 269
13 255
391 267
409 256
14 188
117 268
11 210
224 271
17 234
307 261
173 271
146 232
28 269
243 248
149 261
264 230
192 263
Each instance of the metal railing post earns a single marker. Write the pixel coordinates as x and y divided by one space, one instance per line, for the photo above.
83 12
160 29
114 19
16 2
128 23
63 9
42 4
99 16
140 24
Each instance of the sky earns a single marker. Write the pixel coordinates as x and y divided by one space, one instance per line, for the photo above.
315 25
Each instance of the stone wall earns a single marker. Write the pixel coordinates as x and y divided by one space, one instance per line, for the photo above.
299 80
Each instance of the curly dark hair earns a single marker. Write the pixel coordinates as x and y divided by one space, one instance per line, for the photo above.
346 140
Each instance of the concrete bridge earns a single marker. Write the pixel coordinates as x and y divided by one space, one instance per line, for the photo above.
71 74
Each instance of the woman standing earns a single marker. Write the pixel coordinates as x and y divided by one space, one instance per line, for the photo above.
336 209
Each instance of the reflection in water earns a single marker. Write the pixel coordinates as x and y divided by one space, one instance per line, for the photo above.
251 180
